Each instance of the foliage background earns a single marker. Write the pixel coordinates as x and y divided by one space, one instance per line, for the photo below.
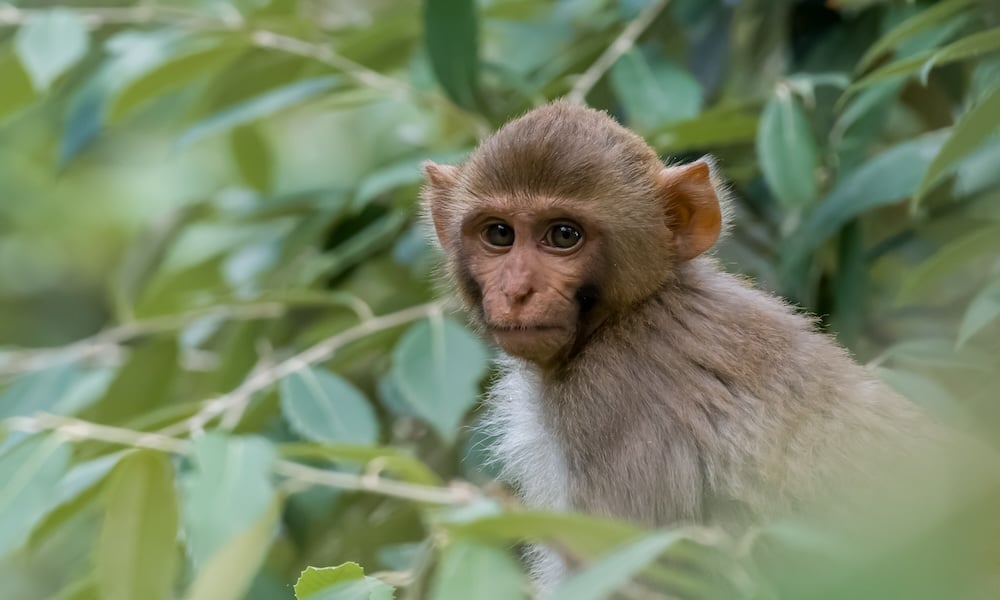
204 204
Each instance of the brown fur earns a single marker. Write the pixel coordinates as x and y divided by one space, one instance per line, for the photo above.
684 394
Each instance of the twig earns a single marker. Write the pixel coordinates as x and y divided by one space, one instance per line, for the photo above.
77 429
622 44
110 340
234 403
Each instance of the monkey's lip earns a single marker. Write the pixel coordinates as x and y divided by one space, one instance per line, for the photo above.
520 328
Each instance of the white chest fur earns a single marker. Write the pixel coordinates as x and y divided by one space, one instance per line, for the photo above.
528 453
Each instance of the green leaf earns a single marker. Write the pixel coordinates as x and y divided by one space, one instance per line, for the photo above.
62 390
967 47
170 75
230 571
588 536
925 19
325 407
436 366
654 93
396 461
470 569
983 310
969 133
83 476
926 393
343 582
787 151
718 127
256 108
137 554
50 43
30 472
451 31
608 573
141 384
949 259
17 89
228 488
884 179
253 157
940 353
396 175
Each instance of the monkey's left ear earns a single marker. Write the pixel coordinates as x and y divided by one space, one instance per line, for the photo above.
692 206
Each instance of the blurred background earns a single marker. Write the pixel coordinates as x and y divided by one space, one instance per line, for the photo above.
221 355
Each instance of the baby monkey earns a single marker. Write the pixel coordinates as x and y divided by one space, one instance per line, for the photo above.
639 380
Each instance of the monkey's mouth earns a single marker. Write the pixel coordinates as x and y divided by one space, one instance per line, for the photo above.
520 328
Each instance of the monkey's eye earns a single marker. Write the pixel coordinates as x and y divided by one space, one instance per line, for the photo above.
563 236
499 234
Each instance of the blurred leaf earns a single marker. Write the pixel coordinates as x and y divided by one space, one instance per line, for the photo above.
588 536
50 43
654 93
885 179
926 393
436 366
83 589
451 33
968 47
470 569
30 472
229 572
396 461
17 89
253 157
257 108
169 75
227 490
711 128
343 582
137 552
983 310
605 575
324 407
787 151
62 390
141 384
84 476
925 19
951 258
145 255
406 172
970 131
850 286
940 353
373 237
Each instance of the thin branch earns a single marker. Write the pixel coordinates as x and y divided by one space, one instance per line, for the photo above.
77 429
109 341
233 404
622 44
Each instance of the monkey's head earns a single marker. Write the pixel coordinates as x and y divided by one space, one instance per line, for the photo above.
562 219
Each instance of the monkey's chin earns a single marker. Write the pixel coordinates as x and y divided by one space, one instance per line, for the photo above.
536 344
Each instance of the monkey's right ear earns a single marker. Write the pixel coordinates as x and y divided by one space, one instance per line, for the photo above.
692 204
441 179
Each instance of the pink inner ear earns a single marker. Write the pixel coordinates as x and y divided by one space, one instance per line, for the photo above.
692 207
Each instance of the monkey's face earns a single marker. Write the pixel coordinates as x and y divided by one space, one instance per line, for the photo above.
532 274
